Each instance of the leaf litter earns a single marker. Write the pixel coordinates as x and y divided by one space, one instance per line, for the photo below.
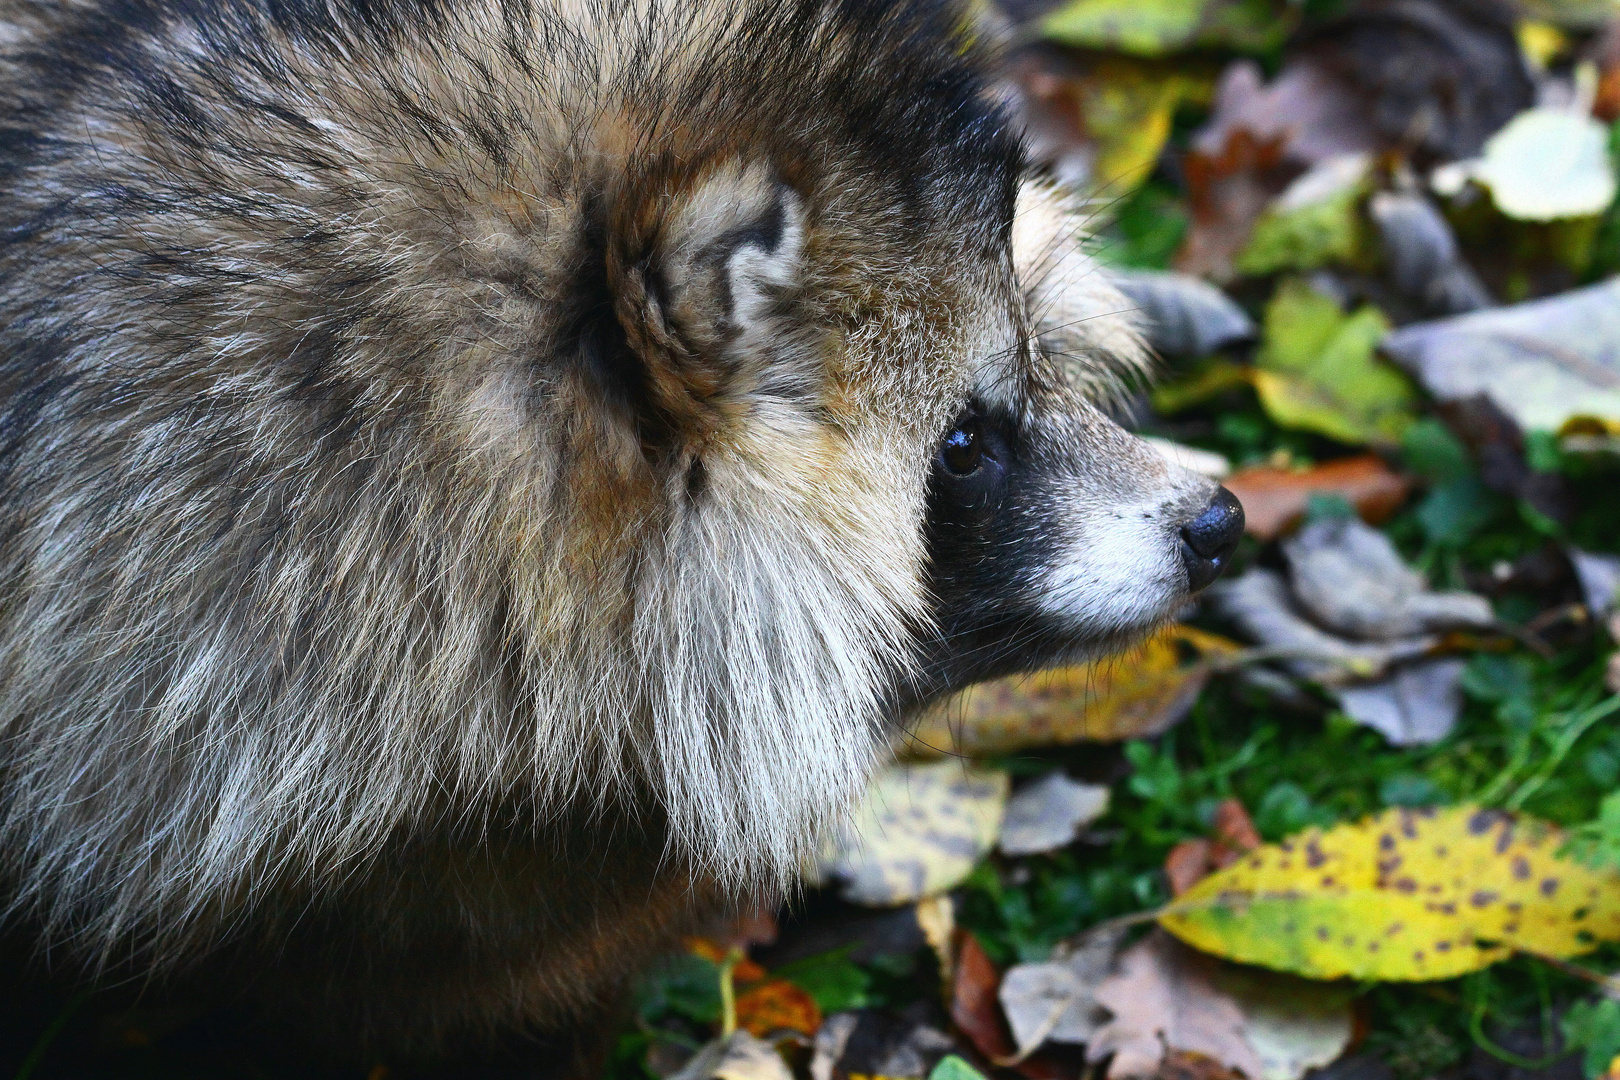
1374 243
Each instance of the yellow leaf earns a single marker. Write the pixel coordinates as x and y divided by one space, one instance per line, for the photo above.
1131 695
1405 895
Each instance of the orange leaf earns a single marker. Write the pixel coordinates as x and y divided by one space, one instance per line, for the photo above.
777 1005
1275 499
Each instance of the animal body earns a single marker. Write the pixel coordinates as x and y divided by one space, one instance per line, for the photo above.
481 480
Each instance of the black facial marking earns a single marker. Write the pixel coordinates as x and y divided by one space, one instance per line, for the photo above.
987 535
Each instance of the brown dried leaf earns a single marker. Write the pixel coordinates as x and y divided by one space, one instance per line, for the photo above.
1234 828
1188 863
1275 499
974 1006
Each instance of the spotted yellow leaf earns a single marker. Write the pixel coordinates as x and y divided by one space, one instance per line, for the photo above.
1405 895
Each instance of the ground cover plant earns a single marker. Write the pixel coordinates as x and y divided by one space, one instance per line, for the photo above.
1374 244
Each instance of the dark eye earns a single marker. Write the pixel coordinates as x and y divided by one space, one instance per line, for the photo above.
963 449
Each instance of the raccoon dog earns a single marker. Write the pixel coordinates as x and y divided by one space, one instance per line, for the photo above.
481 479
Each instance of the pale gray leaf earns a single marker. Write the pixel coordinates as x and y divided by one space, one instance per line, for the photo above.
1542 363
1260 604
1183 315
1417 705
1049 813
1350 579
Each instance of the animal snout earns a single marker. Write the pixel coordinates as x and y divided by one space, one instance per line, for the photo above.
1208 540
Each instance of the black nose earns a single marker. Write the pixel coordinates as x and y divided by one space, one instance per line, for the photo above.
1208 540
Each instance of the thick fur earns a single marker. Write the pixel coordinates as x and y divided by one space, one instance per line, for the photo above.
468 487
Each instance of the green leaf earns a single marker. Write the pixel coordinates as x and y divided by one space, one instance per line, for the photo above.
1303 230
834 980
1157 27
1594 1027
1316 369
1429 449
1144 27
1453 512
951 1067
685 984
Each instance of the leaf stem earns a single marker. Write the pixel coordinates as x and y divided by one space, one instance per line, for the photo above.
728 992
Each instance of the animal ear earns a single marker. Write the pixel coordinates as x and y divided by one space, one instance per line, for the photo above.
714 288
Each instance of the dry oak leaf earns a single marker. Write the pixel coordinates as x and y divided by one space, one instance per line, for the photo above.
1404 895
1131 695
1275 499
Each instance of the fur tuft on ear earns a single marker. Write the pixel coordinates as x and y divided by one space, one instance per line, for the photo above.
702 306
1082 322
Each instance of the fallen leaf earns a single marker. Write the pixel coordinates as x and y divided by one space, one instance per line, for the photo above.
1233 826
1422 254
1544 364
917 832
1350 579
951 1067
1127 696
1314 222
1100 121
1305 112
1260 603
1190 1065
872 1043
1417 705
1547 163
974 1008
739 1056
1052 1001
1432 80
1316 369
1228 189
1409 894
1147 27
1182 315
1127 108
1190 860
1600 580
1167 997
1206 381
1188 863
1274 499
777 1005
1049 813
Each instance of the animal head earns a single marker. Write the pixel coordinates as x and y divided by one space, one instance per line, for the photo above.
416 411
